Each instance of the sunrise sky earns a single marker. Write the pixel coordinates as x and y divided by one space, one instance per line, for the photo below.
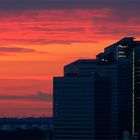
39 37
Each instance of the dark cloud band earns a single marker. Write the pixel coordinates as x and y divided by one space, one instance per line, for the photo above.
66 4
39 97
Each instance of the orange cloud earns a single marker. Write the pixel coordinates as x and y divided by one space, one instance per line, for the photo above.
45 39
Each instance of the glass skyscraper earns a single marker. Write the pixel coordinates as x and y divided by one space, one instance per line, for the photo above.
99 99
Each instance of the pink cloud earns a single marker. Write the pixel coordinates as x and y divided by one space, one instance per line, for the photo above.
66 26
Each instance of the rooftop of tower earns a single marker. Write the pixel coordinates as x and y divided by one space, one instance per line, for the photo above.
120 51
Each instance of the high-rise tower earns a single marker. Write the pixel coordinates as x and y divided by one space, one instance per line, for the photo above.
99 99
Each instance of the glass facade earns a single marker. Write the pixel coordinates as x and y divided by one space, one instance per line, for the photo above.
99 99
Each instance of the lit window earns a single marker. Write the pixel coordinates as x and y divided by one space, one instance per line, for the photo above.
121 46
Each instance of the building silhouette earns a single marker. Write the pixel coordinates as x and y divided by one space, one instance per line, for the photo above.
99 99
